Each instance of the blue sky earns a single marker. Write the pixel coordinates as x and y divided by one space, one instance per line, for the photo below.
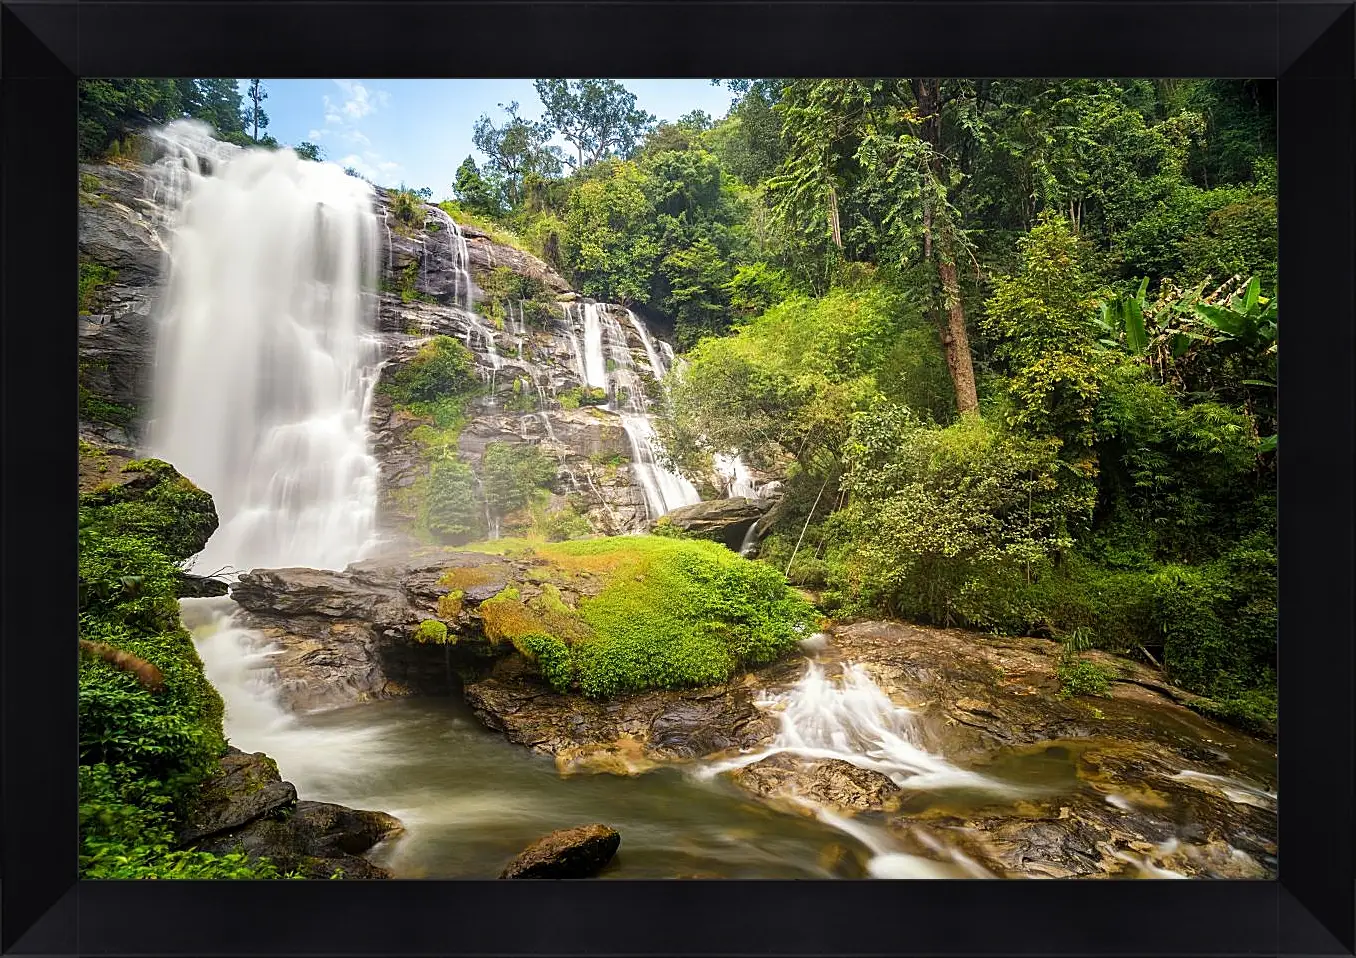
419 131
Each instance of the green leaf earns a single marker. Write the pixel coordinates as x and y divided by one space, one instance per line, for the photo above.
1268 444
1136 338
1143 289
1224 320
1250 297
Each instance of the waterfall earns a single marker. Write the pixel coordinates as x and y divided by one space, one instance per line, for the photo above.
657 365
460 256
665 490
595 366
604 340
265 361
576 351
739 481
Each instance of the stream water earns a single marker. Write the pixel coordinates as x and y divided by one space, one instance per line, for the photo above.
470 800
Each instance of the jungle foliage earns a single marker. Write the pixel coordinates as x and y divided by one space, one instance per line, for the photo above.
1010 343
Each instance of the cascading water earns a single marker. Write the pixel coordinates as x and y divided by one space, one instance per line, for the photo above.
739 482
595 365
854 721
458 253
664 489
657 365
265 363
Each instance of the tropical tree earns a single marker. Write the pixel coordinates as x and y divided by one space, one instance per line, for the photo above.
598 117
255 117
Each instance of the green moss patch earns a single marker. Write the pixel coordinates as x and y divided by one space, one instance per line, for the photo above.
652 613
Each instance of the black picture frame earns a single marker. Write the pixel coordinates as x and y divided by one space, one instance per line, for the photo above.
1308 46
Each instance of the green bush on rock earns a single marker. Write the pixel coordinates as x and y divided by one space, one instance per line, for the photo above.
670 613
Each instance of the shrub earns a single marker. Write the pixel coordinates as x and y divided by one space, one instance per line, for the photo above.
144 753
511 472
93 278
939 512
582 396
452 514
568 522
1079 676
443 367
408 209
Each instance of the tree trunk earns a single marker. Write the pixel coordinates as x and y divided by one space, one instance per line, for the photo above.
834 228
955 338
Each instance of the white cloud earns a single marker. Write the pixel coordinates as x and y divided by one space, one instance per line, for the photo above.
358 102
374 167
342 117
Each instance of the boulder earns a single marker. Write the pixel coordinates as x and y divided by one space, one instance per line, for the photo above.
723 520
247 807
579 852
348 637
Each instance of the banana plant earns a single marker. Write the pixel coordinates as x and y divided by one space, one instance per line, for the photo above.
1247 322
1124 317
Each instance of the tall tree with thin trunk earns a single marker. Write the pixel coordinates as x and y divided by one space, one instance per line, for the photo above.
927 93
255 117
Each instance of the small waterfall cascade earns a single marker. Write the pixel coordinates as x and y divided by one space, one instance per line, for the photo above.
853 720
658 365
605 362
739 482
266 360
454 254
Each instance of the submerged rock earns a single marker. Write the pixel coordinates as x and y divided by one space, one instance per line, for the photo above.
829 782
579 852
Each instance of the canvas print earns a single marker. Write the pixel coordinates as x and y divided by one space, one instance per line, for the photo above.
633 479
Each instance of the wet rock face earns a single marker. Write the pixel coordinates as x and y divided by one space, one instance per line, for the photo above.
117 225
529 380
118 234
1134 784
579 852
247 807
1119 786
